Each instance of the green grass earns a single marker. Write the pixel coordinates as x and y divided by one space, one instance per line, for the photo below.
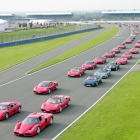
79 49
10 56
115 117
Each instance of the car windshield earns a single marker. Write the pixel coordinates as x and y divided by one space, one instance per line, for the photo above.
30 120
89 62
74 69
102 70
3 107
43 84
54 100
91 78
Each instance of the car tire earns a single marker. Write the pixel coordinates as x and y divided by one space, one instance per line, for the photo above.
96 84
116 69
80 75
101 81
51 121
19 109
69 102
38 130
60 109
49 91
6 116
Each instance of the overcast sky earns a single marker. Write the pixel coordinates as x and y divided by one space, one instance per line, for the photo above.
67 5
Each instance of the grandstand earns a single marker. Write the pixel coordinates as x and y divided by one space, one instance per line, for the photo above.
121 14
7 16
50 15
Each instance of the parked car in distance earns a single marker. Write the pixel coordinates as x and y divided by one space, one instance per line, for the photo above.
134 50
113 65
76 72
121 46
56 103
45 87
121 61
109 54
92 80
33 124
127 55
137 45
100 60
8 109
116 50
103 72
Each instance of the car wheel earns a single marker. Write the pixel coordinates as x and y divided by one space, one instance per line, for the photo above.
38 130
101 81
6 116
51 121
96 83
19 109
49 91
116 69
69 102
60 109
80 75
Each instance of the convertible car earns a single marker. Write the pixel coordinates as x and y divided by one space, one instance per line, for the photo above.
88 65
122 61
8 109
45 87
116 50
92 80
100 60
76 72
137 45
109 54
103 72
56 103
33 124
133 51
113 65
127 55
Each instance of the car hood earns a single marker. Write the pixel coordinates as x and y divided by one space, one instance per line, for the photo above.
40 88
25 127
100 73
89 81
2 111
49 106
73 72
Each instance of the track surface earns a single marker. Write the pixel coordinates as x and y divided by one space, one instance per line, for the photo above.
20 70
82 97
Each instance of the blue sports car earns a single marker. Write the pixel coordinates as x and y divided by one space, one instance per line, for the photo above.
93 80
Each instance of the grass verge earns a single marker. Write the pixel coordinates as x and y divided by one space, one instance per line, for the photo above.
10 56
79 49
115 117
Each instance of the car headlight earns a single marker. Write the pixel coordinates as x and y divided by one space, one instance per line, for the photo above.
33 129
110 66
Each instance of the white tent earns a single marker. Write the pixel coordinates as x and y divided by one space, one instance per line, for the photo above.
3 25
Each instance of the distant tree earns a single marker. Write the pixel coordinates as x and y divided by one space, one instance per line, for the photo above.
24 25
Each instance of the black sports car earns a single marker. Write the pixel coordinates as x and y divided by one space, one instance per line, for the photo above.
113 65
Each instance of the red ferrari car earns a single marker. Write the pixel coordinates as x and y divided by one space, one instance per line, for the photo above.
134 51
100 60
138 41
56 103
137 45
45 87
76 72
116 50
8 109
128 41
33 124
121 46
109 54
89 65
121 61
127 55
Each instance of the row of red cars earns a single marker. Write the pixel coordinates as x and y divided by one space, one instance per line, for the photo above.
35 122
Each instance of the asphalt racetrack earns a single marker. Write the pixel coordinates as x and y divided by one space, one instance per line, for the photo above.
81 97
